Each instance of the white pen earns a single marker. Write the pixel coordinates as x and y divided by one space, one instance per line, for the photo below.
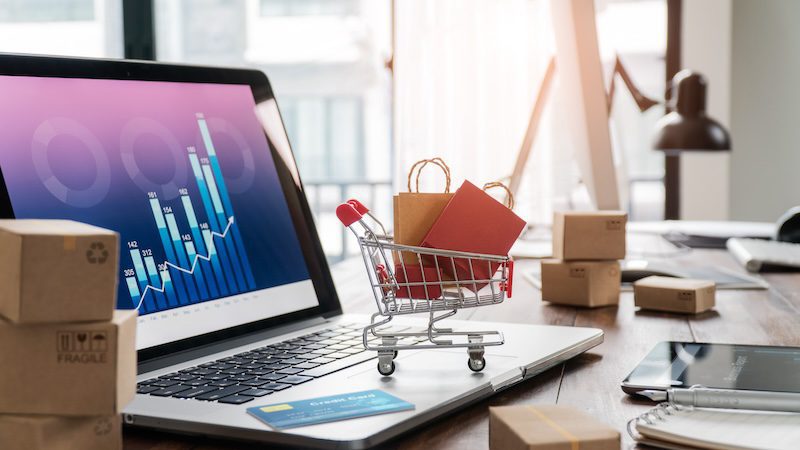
704 397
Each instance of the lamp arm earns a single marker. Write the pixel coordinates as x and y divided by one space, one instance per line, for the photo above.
642 101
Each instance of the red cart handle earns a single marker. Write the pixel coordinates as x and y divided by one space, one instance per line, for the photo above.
348 214
358 206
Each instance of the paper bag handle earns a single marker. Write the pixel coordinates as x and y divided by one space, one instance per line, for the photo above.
509 196
419 165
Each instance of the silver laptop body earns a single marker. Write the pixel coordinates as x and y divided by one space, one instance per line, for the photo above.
260 277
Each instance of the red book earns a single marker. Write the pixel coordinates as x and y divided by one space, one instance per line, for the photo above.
473 222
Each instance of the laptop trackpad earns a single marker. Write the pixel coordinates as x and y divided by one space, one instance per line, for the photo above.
427 377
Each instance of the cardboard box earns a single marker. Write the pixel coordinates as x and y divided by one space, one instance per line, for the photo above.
68 369
581 283
548 427
681 295
597 235
57 271
60 433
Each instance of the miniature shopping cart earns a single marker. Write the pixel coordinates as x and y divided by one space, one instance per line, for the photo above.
419 280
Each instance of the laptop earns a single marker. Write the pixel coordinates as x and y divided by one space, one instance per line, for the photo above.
219 252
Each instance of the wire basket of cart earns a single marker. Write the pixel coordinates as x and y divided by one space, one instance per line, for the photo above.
418 280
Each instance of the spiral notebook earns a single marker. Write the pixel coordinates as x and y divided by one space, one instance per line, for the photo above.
679 428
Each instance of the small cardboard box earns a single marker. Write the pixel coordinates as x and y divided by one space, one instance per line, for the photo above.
581 283
597 235
60 433
57 271
68 369
681 295
548 427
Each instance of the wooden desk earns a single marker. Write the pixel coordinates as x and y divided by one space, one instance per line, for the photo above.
589 382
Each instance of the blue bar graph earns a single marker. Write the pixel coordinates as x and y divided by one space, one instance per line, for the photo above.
221 218
200 247
182 259
212 220
155 281
141 275
155 206
226 201
201 264
133 288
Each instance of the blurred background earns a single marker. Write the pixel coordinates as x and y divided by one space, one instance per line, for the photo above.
368 87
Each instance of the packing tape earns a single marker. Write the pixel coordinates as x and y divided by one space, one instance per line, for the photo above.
573 440
70 243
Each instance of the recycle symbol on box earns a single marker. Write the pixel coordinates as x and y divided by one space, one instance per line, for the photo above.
97 253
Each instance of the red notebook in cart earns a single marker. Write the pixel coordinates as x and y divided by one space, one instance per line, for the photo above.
473 222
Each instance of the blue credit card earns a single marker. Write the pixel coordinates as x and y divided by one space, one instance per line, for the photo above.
328 409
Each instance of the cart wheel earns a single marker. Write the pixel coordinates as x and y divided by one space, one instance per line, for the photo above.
386 369
476 365
394 356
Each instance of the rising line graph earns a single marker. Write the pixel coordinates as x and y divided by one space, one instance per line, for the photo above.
190 271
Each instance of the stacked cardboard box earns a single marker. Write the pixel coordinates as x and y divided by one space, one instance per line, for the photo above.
67 359
587 247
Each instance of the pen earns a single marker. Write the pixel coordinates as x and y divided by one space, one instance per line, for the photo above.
728 398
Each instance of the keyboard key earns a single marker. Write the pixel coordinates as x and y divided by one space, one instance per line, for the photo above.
223 383
337 347
299 351
272 376
312 346
275 386
184 377
308 356
234 360
236 399
339 364
215 377
322 351
236 371
165 383
290 371
282 356
322 360
296 379
170 391
203 372
315 338
192 393
222 366
293 361
337 355
244 377
196 382
306 365
277 366
256 392
260 372
252 366
222 393
256 382
145 389
328 342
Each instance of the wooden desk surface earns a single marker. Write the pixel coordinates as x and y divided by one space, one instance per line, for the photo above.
589 382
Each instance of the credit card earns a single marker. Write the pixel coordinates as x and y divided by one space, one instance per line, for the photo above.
329 409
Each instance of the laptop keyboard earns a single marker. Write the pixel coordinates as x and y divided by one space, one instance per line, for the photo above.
245 376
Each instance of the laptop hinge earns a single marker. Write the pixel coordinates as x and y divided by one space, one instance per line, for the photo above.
227 344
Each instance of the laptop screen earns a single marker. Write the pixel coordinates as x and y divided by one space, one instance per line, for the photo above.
184 172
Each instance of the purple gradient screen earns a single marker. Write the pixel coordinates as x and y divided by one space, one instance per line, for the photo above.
100 151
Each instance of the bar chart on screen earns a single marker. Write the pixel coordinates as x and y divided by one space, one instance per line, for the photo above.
204 255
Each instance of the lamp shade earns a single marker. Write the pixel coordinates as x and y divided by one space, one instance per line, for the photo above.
688 128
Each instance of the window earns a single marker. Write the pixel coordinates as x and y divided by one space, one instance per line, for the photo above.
62 27
326 62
